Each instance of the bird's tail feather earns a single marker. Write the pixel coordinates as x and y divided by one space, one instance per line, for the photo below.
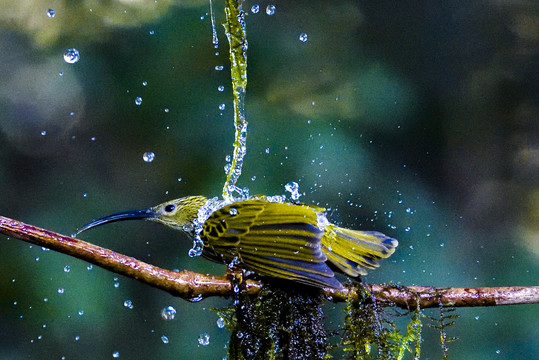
355 251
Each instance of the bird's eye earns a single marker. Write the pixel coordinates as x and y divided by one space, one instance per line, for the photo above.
170 208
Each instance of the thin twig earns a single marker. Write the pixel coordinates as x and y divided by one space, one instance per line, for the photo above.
189 285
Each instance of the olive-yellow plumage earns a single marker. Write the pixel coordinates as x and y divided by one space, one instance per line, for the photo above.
282 240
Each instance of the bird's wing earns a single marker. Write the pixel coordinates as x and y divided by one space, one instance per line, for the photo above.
271 239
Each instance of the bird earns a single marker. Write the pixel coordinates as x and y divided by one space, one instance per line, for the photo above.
269 237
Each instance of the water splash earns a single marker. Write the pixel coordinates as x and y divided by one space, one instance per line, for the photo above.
237 39
204 339
215 39
293 188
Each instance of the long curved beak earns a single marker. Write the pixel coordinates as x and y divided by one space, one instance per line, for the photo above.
126 215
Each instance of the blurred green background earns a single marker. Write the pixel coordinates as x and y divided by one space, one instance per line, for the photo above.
415 118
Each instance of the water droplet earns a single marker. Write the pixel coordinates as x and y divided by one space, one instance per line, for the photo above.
61 73
138 100
168 313
197 298
498 351
253 178
267 150
81 312
221 88
89 267
128 304
164 339
219 67
270 9
44 132
116 354
148 157
167 110
407 229
151 32
221 322
67 268
71 56
144 83
116 285
303 37
293 188
233 211
204 339
477 317
77 338
255 9
60 291
222 107
51 13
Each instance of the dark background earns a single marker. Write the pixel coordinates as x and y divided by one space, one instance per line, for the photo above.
415 118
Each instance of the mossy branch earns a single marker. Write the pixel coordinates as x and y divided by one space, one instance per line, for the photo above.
189 285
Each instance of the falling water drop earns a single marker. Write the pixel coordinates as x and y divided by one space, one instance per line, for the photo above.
148 156
168 313
270 9
71 56
221 322
128 304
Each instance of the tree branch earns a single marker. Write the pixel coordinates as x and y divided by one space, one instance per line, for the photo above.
192 286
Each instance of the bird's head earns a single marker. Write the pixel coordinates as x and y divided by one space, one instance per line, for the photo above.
174 213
